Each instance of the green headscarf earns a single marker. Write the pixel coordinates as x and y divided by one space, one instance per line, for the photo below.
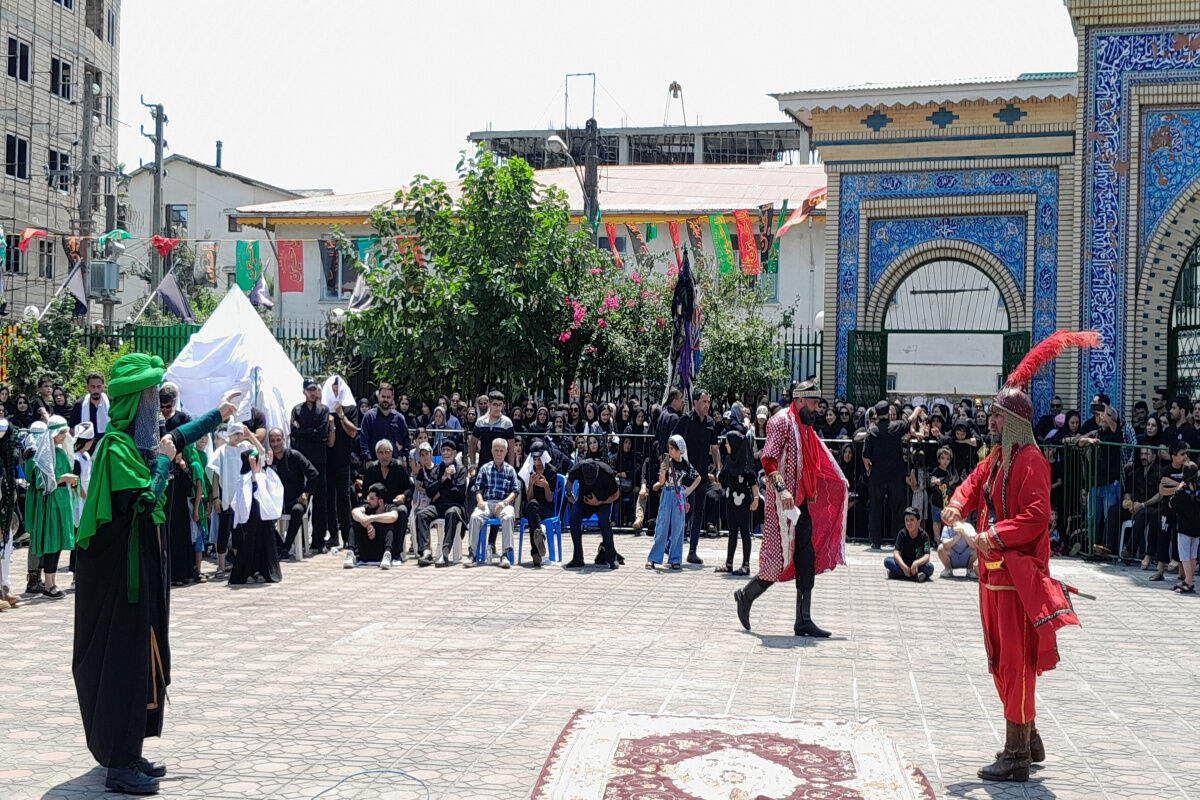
117 464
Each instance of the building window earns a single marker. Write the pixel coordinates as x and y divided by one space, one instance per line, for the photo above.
15 260
16 157
110 30
58 173
602 243
177 221
891 381
60 78
340 273
45 258
234 225
768 282
108 110
18 59
69 5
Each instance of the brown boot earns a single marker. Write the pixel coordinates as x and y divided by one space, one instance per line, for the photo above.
1013 762
1037 751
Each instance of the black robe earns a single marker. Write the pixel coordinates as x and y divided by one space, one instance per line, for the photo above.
258 548
178 527
122 655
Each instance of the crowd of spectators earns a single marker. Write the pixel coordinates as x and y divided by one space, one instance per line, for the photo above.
372 478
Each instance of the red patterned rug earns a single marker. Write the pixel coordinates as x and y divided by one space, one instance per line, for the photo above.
612 755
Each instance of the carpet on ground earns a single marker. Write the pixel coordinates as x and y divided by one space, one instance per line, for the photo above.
614 755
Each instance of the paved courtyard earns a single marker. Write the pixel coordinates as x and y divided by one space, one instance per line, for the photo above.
464 678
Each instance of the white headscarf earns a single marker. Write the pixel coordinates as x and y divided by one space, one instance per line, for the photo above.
342 393
678 441
527 467
43 452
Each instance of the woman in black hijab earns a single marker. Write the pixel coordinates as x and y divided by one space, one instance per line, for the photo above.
739 486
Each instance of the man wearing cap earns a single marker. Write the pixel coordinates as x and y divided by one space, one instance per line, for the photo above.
447 493
804 526
1020 605
311 438
122 656
910 557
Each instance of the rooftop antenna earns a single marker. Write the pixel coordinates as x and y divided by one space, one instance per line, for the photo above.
674 92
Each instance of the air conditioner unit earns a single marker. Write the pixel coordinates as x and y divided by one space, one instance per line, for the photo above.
104 278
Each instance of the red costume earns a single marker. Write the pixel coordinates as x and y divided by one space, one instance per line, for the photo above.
1020 604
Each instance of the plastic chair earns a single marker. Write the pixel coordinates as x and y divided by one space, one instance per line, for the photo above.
481 542
593 518
553 524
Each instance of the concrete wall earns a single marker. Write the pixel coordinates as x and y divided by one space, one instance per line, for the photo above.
958 364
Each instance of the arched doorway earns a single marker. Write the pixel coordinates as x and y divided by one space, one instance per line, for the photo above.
1183 328
946 328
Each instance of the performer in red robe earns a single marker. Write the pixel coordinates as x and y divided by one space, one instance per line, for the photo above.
804 525
1020 605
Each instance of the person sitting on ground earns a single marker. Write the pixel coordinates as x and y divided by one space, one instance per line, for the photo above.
910 558
955 553
373 526
496 489
447 493
392 473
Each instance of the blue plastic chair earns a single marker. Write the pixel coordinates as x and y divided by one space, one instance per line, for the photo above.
554 524
594 519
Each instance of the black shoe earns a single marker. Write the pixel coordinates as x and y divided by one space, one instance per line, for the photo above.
694 559
613 565
574 563
130 780
151 768
746 596
804 624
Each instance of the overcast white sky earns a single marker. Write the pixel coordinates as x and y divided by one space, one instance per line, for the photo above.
363 94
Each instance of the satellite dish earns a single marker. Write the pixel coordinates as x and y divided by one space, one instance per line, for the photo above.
32 312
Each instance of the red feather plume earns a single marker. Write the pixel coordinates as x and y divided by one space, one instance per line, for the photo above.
1047 350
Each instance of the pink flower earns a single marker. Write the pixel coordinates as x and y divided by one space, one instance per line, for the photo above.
587 351
635 277
595 270
641 328
600 323
672 271
659 322
630 303
580 311
562 337
611 302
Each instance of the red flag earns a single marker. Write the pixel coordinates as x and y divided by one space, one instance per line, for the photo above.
162 244
27 236
747 244
610 228
814 199
673 227
291 265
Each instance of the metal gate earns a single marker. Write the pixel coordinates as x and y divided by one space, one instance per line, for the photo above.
866 367
1016 345
1183 331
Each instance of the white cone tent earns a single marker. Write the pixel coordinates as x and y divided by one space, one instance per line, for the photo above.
235 349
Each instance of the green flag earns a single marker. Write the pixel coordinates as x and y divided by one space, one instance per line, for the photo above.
721 243
249 266
651 231
773 258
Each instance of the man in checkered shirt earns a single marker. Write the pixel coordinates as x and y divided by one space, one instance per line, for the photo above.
496 489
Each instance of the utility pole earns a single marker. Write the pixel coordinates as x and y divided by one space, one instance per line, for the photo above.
156 209
87 172
591 175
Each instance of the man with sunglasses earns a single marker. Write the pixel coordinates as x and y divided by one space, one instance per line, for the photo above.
1046 423
168 402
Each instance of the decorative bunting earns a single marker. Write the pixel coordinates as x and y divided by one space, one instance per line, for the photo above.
651 231
115 233
695 230
331 266
291 265
73 248
814 199
27 236
610 230
74 285
364 245
249 266
721 243
639 241
673 229
204 271
747 244
771 261
164 245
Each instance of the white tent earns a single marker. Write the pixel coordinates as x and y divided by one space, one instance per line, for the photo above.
235 350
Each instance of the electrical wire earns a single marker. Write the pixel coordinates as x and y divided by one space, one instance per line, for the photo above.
375 772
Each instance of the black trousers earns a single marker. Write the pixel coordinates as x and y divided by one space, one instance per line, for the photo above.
803 554
739 527
337 502
320 502
295 514
885 505
224 529
371 550
1147 522
453 516
579 512
695 515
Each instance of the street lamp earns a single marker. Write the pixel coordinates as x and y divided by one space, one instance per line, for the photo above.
556 144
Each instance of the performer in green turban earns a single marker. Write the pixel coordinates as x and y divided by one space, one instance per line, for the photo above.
122 658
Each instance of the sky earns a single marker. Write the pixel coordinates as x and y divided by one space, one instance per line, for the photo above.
357 95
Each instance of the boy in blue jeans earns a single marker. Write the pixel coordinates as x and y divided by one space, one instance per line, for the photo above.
910 558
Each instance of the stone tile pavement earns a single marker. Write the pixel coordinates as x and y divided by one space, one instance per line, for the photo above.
464 678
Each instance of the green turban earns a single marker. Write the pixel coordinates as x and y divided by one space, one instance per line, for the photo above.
131 373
